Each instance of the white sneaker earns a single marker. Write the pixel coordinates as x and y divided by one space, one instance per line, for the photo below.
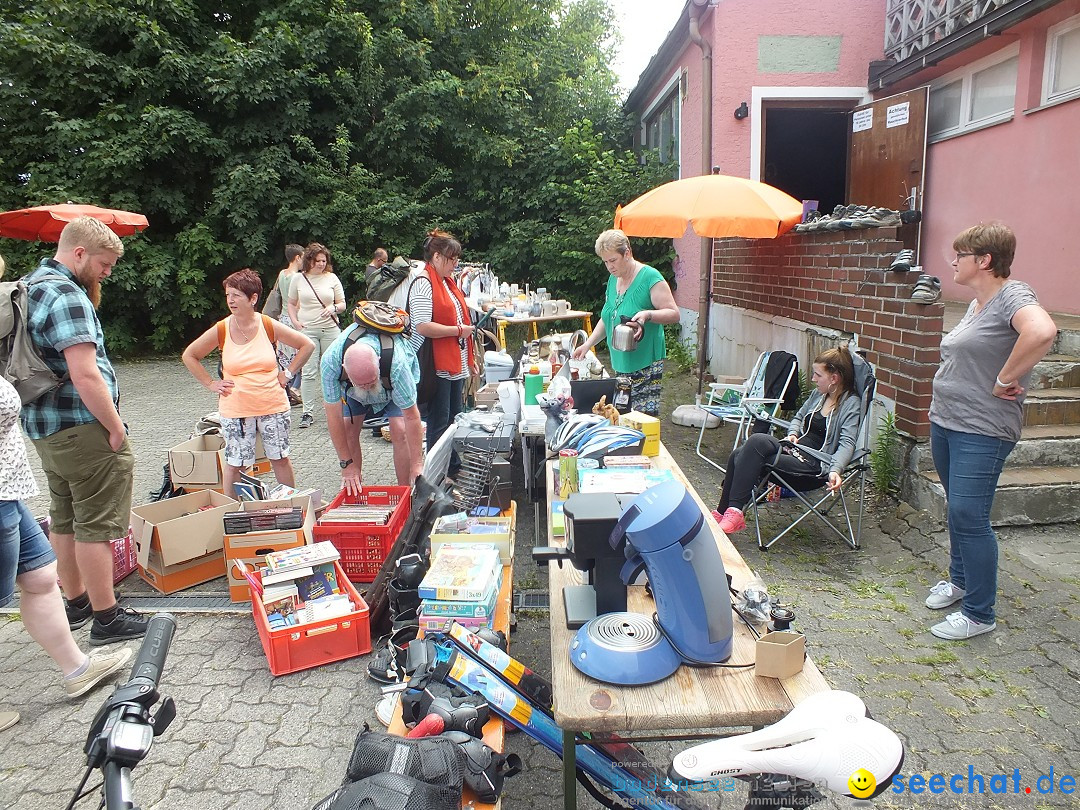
958 627
943 594
101 666
385 708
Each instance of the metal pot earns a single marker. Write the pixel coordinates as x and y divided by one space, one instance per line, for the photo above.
626 335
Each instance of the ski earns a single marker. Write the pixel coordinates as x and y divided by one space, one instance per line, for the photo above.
478 660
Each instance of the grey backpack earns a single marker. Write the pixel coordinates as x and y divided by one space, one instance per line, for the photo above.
20 361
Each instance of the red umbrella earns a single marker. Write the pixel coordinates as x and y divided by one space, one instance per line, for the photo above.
43 223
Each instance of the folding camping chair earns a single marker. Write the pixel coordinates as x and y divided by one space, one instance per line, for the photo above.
856 470
751 405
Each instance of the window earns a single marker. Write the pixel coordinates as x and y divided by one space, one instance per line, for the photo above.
662 129
1061 78
980 94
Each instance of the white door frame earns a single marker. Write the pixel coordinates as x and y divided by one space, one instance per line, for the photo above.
857 95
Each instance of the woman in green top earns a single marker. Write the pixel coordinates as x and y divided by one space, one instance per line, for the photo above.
640 293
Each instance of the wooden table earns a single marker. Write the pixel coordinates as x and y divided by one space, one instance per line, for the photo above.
501 322
694 698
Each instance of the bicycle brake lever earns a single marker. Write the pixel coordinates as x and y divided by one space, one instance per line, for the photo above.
163 717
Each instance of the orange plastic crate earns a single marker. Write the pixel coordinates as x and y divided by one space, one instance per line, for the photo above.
291 649
364 548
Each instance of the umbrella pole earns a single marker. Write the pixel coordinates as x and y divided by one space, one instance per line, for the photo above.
704 305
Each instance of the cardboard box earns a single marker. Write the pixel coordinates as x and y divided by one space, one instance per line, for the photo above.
504 542
181 529
649 425
252 547
172 578
780 654
198 461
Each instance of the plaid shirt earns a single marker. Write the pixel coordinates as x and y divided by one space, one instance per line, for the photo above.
60 315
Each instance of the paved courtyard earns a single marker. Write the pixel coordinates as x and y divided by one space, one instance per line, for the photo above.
243 739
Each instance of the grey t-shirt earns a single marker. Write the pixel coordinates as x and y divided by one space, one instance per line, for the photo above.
972 354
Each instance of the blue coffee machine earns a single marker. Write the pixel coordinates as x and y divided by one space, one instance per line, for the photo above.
665 532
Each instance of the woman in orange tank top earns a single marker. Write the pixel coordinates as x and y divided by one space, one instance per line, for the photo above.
251 393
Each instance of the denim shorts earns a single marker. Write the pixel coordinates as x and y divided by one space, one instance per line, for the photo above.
23 547
353 408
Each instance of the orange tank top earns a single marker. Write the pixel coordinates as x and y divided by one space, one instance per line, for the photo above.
253 369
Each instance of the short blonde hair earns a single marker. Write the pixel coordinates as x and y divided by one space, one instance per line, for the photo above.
92 234
613 239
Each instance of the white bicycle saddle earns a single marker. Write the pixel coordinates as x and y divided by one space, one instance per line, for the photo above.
825 739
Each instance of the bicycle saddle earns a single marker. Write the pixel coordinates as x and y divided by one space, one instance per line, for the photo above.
825 739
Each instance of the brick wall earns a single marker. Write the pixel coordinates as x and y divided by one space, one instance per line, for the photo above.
840 280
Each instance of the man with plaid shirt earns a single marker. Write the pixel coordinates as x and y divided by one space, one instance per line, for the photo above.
77 430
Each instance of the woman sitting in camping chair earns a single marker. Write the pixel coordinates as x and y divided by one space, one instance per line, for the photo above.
828 421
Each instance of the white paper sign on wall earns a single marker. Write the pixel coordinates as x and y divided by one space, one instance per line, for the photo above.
862 119
897 115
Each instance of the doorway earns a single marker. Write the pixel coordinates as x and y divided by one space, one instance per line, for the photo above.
806 151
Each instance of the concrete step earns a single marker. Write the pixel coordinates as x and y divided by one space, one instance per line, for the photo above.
1056 371
1025 495
1068 339
1052 406
1046 446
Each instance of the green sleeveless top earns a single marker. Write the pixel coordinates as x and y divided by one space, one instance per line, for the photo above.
636 298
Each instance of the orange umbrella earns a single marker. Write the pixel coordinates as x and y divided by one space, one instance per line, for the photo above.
43 223
715 205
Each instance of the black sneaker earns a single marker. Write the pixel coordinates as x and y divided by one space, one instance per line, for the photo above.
128 624
77 617
306 420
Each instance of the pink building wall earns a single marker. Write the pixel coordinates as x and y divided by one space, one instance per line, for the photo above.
733 29
1024 172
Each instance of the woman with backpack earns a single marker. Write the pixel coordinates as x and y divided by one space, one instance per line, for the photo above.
440 315
251 392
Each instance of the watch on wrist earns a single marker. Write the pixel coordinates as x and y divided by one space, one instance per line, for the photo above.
345 463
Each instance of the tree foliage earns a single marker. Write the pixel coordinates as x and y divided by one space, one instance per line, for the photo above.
237 127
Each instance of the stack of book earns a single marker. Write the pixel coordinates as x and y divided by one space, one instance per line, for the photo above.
300 585
462 584
358 513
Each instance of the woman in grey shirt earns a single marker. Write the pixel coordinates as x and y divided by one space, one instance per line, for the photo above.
976 414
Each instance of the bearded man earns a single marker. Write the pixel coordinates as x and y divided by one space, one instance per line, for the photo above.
77 429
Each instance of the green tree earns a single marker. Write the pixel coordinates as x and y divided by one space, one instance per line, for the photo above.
239 126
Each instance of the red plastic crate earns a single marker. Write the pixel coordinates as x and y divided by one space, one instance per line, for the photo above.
291 649
125 556
364 548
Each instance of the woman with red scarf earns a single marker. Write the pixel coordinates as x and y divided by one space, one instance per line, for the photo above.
439 313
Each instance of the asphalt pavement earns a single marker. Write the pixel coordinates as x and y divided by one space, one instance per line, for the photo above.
1004 703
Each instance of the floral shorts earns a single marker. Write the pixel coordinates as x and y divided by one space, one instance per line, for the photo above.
240 437
645 388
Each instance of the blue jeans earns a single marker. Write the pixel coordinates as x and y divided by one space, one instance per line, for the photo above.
23 546
444 406
969 465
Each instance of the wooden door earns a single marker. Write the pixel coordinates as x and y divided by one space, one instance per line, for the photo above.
888 151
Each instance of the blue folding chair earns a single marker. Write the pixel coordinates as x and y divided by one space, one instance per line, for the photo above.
751 405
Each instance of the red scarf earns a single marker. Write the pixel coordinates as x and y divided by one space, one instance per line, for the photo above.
447 351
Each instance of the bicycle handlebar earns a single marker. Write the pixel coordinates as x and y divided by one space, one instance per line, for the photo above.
155 648
123 729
